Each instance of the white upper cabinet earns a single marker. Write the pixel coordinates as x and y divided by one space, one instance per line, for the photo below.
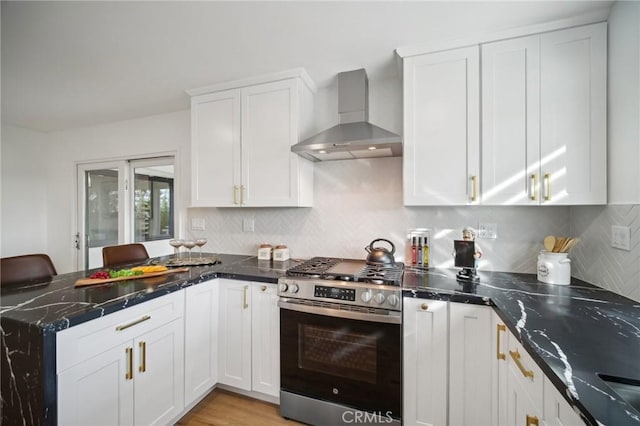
543 120
511 121
573 98
241 143
441 127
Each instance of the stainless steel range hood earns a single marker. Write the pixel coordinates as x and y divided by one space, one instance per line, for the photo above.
354 136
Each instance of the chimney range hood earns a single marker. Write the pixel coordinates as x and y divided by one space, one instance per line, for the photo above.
354 137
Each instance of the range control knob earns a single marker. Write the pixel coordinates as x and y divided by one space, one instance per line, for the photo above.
379 298
283 287
393 300
366 296
294 288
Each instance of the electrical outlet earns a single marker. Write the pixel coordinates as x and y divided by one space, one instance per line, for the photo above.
247 225
621 237
487 230
197 224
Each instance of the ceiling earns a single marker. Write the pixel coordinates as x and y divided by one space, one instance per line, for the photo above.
76 64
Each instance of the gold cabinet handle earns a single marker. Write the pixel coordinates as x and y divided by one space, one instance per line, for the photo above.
235 194
499 328
143 354
132 323
263 288
129 374
516 358
424 306
242 188
245 305
534 187
547 184
474 188
532 421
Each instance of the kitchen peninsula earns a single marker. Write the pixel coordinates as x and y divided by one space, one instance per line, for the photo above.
571 332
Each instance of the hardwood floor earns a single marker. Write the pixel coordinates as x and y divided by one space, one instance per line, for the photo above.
221 407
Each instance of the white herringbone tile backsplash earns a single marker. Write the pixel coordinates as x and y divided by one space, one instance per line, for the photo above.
357 201
594 260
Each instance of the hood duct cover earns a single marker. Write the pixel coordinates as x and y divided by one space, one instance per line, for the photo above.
354 136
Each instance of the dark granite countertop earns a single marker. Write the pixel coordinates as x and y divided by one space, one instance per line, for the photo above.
57 304
573 332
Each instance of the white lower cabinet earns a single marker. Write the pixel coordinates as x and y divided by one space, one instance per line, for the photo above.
126 368
470 373
249 340
425 355
200 340
557 411
499 370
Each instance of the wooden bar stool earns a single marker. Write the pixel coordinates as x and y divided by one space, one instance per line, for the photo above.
27 268
125 253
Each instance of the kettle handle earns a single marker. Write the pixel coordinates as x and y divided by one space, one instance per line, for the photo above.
370 246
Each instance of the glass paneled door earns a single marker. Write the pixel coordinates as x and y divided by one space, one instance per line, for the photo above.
122 202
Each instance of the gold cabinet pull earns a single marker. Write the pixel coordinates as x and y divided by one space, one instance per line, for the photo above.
499 328
263 288
143 354
129 374
242 188
532 421
132 323
245 305
516 358
424 306
235 194
474 188
547 185
534 187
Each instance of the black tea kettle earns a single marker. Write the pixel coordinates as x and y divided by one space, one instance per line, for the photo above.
380 256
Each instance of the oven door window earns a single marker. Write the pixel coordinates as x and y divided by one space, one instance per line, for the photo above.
350 362
341 352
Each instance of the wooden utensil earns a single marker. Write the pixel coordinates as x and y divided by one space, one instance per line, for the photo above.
92 281
549 243
570 244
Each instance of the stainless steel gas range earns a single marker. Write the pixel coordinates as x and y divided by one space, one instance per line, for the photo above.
340 342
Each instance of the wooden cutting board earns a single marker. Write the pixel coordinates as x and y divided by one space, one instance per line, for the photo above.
91 281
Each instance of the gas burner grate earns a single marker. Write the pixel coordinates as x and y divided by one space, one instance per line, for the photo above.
382 274
314 267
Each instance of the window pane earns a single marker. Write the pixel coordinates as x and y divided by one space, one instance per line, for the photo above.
153 203
102 207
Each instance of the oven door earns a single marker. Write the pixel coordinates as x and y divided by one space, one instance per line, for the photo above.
344 357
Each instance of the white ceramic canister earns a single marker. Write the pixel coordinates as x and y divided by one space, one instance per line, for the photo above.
281 253
265 251
554 268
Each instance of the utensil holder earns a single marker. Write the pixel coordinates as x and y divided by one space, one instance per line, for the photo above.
554 268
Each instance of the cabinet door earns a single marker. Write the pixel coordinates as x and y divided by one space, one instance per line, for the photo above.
511 121
98 391
269 128
499 370
234 348
265 339
200 339
521 410
441 128
470 359
159 374
573 115
557 411
425 362
215 149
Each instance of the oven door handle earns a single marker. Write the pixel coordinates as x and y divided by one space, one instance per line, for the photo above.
392 318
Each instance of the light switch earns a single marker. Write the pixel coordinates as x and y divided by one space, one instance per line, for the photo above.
247 225
487 230
621 237
197 224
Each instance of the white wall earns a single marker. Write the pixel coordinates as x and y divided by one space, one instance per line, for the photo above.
165 133
24 186
624 103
